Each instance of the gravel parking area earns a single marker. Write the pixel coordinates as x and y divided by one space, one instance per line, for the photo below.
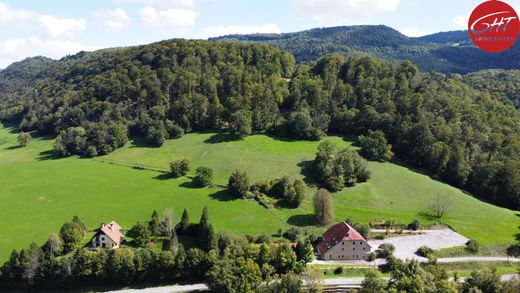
406 246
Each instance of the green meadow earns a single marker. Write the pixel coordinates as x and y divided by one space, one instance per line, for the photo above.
38 192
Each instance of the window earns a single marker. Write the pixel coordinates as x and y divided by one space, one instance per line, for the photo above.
353 248
102 238
363 248
103 245
343 248
342 242
339 256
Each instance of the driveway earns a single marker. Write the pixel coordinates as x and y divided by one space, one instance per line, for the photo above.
407 245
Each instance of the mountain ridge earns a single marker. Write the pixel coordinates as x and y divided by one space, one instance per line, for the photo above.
447 52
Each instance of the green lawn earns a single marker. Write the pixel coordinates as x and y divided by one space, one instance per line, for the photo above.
38 193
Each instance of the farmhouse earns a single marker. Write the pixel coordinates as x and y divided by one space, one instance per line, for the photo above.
342 242
108 236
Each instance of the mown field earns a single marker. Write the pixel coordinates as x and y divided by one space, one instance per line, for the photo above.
38 192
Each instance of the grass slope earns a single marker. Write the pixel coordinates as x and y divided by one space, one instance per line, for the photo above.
39 193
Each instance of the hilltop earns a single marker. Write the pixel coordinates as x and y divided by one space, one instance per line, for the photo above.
448 52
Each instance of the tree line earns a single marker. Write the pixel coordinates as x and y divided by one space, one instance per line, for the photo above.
226 262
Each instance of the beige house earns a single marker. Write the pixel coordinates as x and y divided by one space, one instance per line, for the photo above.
108 236
342 242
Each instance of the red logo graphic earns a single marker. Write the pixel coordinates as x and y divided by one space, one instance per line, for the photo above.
494 26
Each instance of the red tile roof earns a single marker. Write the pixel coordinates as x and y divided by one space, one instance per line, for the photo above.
337 233
113 231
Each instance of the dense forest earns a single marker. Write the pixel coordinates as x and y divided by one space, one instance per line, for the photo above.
447 52
94 101
501 84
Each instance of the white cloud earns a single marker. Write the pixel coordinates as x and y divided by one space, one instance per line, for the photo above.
162 3
62 27
18 49
462 21
413 32
114 20
177 19
12 16
336 12
216 31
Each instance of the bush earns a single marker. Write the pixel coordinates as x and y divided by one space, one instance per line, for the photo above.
141 233
24 138
363 229
414 226
203 176
425 251
473 246
338 271
372 256
179 168
386 249
291 234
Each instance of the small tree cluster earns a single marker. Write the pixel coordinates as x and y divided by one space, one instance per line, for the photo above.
203 176
72 234
291 193
335 169
179 168
375 147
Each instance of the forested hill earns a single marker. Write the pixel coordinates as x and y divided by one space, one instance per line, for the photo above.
448 52
94 101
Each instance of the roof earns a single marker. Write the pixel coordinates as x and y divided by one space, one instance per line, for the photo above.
337 233
113 231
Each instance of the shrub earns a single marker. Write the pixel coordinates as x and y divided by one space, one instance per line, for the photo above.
179 168
425 251
291 234
203 176
414 226
386 249
363 229
473 246
338 271
24 138
372 256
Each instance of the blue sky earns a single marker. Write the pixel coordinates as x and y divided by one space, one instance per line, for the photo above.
56 28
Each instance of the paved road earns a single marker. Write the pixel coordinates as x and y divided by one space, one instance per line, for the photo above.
407 245
166 289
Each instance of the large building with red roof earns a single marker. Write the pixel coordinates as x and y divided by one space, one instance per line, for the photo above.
108 236
342 242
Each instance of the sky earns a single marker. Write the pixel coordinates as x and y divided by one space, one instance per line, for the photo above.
55 28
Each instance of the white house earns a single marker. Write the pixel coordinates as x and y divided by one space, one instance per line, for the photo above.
108 236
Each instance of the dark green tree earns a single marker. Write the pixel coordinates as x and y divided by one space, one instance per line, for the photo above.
179 168
238 184
203 176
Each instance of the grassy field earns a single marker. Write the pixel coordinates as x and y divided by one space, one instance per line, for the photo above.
38 192
464 269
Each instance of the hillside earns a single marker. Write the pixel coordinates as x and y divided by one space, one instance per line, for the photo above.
448 52
94 102
40 192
